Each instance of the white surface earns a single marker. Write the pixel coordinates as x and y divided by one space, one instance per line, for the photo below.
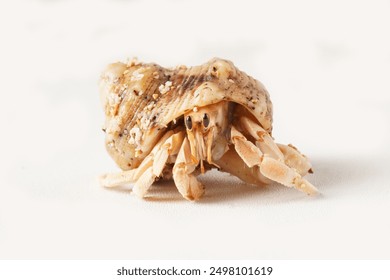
325 64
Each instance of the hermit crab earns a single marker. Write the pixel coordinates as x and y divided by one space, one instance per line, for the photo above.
164 123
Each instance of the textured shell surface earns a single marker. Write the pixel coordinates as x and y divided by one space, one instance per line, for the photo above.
143 100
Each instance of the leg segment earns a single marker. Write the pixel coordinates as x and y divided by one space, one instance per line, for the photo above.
274 169
189 187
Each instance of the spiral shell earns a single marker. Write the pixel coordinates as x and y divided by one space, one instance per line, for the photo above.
143 100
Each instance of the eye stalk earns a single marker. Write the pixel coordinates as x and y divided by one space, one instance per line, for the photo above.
188 122
206 120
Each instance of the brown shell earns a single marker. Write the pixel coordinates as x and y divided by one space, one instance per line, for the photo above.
142 100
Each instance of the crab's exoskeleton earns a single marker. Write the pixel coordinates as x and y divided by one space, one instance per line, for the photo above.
176 123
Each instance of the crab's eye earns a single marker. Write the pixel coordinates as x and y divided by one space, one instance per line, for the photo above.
188 122
206 120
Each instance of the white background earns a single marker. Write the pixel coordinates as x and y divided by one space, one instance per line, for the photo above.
326 65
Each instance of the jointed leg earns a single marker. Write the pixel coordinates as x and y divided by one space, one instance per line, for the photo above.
131 176
116 179
263 140
161 155
189 187
232 163
271 168
150 168
294 159
289 154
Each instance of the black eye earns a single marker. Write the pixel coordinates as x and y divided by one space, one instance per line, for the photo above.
206 120
188 122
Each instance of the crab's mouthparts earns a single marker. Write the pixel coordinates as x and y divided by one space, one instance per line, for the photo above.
202 148
200 151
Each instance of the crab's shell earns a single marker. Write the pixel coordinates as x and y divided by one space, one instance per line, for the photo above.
141 101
